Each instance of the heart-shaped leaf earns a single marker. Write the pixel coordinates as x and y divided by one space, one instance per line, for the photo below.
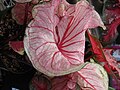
55 44
93 77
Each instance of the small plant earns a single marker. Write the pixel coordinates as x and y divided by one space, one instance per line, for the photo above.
53 34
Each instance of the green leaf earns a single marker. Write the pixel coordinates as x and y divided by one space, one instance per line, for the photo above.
110 88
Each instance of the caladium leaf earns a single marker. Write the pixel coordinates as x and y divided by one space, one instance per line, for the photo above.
20 13
97 48
40 82
87 79
102 56
112 30
55 44
17 46
111 60
67 82
112 14
93 77
113 21
98 51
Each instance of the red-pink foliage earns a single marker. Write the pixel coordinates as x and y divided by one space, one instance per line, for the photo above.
21 12
17 46
67 82
103 56
112 20
111 60
40 82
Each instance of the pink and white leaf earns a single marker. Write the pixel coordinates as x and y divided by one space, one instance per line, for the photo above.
93 77
55 45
